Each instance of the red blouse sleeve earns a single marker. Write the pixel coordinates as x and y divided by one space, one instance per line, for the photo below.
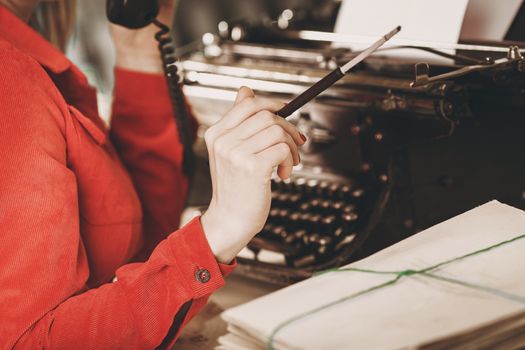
144 132
44 301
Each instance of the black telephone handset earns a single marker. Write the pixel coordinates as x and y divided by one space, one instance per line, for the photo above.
132 13
135 14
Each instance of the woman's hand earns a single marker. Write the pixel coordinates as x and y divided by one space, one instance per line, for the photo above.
244 148
137 49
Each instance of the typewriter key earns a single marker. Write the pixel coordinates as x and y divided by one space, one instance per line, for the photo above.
295 217
304 261
299 235
345 242
328 224
344 192
306 241
349 209
304 207
294 220
326 205
358 193
284 214
333 190
305 217
304 221
349 221
338 205
291 238
283 198
277 184
311 187
300 185
279 232
271 257
314 238
322 189
315 222
315 203
350 218
287 185
325 240
324 244
295 199
273 216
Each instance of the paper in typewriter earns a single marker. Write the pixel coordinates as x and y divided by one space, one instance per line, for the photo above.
417 311
489 19
433 22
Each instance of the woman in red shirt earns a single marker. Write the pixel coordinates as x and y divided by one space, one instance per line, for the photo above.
79 202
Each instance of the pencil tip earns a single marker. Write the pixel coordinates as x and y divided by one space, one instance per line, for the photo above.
398 28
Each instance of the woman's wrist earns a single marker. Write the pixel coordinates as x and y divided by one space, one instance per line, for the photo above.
225 240
145 63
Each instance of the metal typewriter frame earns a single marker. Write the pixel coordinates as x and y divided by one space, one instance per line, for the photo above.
513 59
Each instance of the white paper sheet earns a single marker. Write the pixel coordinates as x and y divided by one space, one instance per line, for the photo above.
430 21
489 19
415 310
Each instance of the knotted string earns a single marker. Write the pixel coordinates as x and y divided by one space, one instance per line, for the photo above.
398 275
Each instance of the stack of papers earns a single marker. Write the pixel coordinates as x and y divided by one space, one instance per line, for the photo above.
477 301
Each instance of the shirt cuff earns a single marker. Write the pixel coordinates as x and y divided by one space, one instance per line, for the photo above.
226 269
204 273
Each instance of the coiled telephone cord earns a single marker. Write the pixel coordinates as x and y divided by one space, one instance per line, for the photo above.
178 102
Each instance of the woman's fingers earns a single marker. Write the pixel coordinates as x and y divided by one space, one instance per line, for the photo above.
243 93
277 156
217 130
245 109
251 130
269 137
263 120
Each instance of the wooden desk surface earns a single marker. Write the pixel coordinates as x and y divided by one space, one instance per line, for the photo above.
203 331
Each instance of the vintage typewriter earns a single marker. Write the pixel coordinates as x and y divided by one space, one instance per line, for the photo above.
394 148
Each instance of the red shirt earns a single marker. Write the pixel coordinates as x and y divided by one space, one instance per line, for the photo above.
75 208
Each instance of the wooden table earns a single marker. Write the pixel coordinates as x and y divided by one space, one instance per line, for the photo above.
203 331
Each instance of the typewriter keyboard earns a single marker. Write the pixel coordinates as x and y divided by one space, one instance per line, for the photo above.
310 221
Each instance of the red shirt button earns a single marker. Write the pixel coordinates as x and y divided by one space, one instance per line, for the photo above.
203 275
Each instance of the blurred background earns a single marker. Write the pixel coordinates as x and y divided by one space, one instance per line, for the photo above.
91 46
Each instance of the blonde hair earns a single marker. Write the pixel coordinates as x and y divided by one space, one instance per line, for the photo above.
55 21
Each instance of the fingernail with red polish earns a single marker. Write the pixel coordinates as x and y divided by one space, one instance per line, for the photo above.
303 137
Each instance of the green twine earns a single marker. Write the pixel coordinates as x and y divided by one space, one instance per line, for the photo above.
398 276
